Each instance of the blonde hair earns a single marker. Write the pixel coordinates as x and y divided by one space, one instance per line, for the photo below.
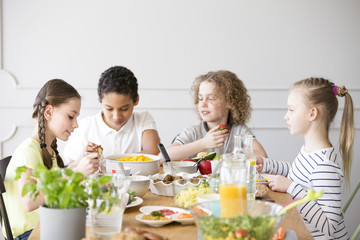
234 90
322 92
55 92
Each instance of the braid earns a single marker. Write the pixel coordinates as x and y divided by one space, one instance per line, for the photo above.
41 132
55 92
59 160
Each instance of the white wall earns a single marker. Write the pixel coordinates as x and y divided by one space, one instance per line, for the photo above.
269 44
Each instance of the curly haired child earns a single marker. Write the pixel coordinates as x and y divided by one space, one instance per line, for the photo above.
312 106
221 98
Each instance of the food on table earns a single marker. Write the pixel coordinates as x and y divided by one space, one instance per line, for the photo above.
202 154
262 178
155 216
137 158
280 234
222 127
185 216
100 151
194 180
159 215
168 179
166 212
239 227
205 156
204 166
189 197
262 190
199 211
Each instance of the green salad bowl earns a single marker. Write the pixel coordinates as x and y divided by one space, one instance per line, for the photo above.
260 223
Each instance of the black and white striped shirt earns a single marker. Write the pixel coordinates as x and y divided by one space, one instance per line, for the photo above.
319 170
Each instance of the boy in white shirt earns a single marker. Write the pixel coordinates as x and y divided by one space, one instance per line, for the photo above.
116 127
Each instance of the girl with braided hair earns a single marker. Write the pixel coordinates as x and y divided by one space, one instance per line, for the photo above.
56 109
312 106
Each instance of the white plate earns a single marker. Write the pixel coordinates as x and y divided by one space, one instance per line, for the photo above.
148 209
152 223
137 202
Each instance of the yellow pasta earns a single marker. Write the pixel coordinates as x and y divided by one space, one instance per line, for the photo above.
138 158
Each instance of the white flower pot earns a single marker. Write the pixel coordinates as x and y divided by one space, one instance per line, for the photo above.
60 224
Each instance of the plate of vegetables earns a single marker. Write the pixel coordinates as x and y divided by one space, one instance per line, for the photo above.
157 216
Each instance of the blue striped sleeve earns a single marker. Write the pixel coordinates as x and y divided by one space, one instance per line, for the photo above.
276 167
325 213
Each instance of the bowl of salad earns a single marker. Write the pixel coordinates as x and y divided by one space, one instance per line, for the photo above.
260 223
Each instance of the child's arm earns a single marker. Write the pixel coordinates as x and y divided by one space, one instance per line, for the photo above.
325 214
213 139
28 203
149 141
273 166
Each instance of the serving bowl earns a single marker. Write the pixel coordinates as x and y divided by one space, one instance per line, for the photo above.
141 168
188 167
261 222
139 184
169 189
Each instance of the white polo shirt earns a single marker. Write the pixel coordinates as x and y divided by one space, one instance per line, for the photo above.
94 129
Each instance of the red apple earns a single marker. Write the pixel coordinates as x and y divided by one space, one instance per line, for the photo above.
204 166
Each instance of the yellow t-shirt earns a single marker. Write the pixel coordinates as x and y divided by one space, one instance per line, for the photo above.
28 153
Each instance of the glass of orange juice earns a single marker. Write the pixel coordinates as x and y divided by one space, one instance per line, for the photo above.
232 187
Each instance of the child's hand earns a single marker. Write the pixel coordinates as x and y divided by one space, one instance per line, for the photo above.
89 164
259 163
215 138
90 148
279 183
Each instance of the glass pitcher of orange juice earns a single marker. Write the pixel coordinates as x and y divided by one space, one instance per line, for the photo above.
232 187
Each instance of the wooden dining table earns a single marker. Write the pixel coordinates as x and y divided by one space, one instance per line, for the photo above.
178 231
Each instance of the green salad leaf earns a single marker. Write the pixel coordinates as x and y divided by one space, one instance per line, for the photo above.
221 228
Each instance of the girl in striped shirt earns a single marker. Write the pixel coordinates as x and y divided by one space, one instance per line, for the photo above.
312 106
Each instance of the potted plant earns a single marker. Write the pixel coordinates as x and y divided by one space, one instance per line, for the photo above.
66 196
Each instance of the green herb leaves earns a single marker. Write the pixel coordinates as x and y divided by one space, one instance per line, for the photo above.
63 188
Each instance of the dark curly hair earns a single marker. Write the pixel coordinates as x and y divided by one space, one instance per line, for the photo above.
118 80
234 90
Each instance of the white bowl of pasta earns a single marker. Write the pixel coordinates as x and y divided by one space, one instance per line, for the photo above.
140 164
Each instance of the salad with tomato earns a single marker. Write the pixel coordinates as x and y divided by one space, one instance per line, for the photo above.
239 227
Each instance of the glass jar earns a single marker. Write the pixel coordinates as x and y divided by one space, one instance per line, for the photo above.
108 221
232 187
243 145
